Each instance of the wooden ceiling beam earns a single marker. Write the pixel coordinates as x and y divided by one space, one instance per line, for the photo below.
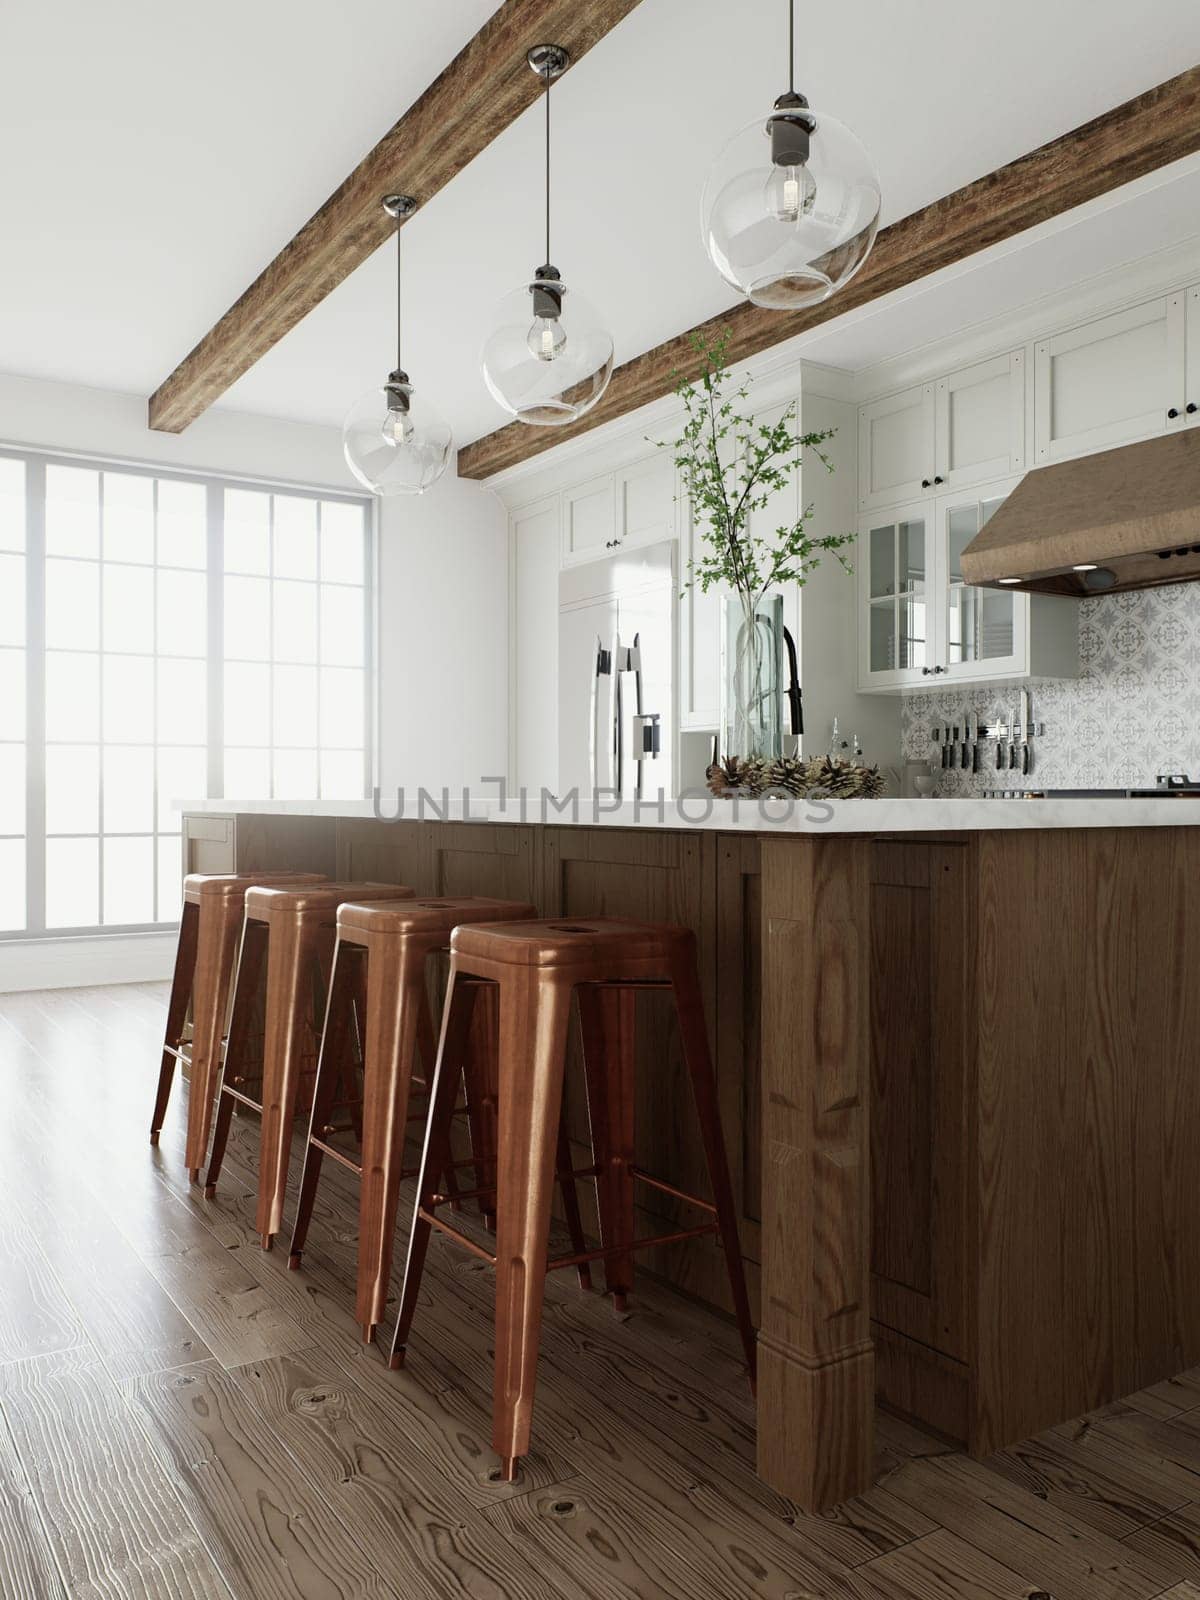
1147 132
483 90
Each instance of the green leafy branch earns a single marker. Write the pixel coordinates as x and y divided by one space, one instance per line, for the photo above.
731 467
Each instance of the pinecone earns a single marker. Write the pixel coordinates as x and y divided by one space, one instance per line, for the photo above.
725 776
787 776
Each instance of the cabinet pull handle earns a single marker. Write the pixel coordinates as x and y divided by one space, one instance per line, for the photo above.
924 672
1192 408
924 483
939 480
1172 413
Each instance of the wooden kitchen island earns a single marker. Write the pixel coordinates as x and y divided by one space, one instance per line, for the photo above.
958 1073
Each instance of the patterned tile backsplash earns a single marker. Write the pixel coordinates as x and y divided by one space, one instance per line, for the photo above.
1133 712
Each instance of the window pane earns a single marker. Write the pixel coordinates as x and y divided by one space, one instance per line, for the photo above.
128 789
72 605
295 537
72 788
129 608
247 619
12 788
72 696
128 699
128 881
12 694
72 886
341 708
342 542
295 706
247 531
342 626
72 511
182 618
342 775
128 517
247 774
12 599
182 775
170 878
247 703
295 616
181 702
295 774
12 885
12 504
182 524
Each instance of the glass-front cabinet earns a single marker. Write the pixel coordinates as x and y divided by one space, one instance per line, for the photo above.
919 620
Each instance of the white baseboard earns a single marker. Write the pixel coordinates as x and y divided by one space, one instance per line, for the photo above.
77 963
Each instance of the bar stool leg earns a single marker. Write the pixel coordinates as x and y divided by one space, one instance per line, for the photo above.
181 989
694 1036
479 1074
396 1003
534 1013
331 1070
290 971
246 983
456 1023
607 1022
216 956
427 1055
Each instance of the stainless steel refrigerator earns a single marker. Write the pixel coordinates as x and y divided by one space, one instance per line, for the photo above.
616 658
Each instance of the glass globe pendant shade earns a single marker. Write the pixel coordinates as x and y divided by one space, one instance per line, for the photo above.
549 357
791 207
395 442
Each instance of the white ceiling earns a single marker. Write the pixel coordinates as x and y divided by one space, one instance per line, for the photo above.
154 157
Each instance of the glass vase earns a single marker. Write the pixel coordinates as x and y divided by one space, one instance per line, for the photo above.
752 678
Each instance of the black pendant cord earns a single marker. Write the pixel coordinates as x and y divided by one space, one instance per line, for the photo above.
549 81
791 46
399 300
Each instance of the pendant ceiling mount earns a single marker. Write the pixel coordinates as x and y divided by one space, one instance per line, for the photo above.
394 441
549 357
791 206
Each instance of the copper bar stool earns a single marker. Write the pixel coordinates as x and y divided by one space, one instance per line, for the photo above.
537 966
384 952
209 928
291 931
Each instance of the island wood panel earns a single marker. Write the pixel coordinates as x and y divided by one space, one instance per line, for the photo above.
816 1366
1088 1120
739 1021
373 851
920 1070
275 844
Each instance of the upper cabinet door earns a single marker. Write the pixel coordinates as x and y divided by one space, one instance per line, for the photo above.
986 631
645 501
1111 381
589 524
1191 388
979 421
898 615
895 448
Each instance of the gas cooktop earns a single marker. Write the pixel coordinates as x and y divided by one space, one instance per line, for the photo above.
1169 786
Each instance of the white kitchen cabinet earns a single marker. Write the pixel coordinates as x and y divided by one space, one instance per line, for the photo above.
1110 381
699 638
588 523
960 429
920 623
1191 388
645 501
895 447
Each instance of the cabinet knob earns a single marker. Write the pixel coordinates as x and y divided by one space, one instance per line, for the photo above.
924 483
1192 408
939 480
924 672
939 669
1172 413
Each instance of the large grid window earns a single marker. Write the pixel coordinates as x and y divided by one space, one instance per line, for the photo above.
163 636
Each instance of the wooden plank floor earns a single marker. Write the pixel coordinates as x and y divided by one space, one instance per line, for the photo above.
181 1418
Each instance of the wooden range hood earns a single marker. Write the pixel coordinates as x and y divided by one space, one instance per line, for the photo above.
1129 518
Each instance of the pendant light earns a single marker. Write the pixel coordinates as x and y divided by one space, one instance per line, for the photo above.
791 205
395 442
549 356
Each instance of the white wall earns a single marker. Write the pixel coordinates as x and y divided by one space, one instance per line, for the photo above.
443 638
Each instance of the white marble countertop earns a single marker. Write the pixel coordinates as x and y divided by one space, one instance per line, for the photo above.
764 815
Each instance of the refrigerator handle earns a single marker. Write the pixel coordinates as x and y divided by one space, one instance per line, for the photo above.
617 749
601 669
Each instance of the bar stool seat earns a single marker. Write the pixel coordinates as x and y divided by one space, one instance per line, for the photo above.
291 932
381 967
536 968
209 928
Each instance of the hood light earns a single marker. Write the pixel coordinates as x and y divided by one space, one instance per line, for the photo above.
1008 580
1085 566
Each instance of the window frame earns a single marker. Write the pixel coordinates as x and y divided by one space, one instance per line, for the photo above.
36 462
